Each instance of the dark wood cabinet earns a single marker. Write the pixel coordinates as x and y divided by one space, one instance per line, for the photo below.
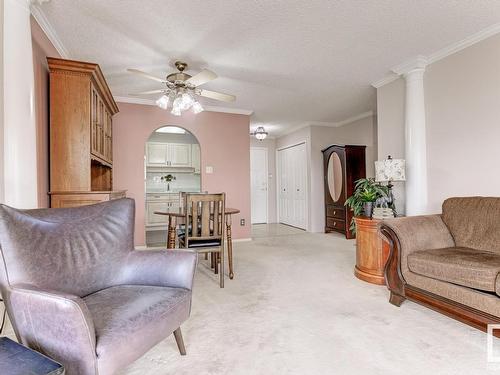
343 165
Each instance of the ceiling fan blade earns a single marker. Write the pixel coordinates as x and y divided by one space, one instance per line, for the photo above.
147 92
217 96
144 74
202 77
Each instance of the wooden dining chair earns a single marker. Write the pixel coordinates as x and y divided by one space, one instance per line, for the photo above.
205 227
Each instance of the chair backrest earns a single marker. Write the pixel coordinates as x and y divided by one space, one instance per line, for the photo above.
72 250
474 222
205 217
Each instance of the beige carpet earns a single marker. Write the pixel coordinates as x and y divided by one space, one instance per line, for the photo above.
295 307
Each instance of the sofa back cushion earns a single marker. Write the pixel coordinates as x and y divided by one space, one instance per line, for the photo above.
474 222
70 250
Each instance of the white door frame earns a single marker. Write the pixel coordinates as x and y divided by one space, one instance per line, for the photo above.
267 180
278 179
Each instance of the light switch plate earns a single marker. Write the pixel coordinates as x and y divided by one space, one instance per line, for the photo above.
209 169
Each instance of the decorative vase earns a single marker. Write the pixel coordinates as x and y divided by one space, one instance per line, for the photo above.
367 209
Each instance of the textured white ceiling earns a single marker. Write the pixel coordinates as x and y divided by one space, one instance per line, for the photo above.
292 61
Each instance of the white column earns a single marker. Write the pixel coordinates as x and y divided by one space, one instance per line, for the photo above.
415 137
19 131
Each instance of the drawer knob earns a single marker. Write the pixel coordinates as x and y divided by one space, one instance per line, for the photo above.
334 212
334 223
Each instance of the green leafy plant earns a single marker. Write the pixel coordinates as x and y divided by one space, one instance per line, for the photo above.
365 190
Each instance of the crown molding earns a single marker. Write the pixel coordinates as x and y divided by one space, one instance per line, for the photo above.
439 55
464 43
47 28
337 124
384 81
207 108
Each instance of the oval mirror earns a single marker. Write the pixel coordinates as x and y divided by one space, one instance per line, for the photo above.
334 176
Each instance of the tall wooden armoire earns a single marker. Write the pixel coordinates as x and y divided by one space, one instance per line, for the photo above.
343 165
80 133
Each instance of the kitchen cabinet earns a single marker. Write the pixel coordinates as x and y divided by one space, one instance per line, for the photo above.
168 155
195 158
160 202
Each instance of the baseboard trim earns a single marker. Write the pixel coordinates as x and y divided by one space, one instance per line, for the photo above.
242 240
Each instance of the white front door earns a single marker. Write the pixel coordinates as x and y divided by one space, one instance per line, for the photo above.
258 180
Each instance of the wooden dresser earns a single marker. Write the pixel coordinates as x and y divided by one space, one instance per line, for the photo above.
81 130
343 165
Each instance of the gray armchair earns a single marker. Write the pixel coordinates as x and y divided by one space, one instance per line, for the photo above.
76 290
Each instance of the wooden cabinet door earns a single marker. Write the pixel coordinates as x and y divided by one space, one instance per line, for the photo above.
108 143
156 154
179 154
93 123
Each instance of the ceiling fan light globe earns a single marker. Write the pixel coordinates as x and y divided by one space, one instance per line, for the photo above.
197 107
162 102
260 133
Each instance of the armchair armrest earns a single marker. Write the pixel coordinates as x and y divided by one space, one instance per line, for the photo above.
171 268
56 324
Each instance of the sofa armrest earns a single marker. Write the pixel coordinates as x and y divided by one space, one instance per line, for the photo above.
56 324
171 268
407 235
419 233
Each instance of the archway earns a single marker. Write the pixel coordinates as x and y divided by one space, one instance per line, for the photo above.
172 162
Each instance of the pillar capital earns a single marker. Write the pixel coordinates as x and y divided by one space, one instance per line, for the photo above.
412 67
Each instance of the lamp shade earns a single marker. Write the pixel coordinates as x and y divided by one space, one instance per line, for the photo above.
390 170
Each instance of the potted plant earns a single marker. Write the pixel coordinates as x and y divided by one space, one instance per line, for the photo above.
168 178
366 192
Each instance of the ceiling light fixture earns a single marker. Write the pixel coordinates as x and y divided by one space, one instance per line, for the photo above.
260 133
182 89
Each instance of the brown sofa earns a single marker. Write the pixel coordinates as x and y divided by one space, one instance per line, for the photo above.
448 262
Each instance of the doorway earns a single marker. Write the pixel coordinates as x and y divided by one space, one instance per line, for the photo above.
292 186
259 184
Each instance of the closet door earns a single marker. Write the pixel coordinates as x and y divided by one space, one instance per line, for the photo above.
292 163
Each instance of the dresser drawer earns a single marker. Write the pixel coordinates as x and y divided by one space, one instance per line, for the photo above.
335 212
335 223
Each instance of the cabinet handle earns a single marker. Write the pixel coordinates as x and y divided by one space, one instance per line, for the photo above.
334 212
334 223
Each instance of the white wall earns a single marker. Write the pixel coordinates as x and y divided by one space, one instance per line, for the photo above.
270 145
360 132
390 130
2 196
462 98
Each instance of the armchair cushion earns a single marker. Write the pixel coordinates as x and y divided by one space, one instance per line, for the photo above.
466 267
131 319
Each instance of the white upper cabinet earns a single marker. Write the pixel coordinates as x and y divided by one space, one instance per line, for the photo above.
179 154
156 154
168 154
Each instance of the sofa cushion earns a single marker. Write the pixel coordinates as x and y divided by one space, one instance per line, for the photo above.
474 222
129 319
467 267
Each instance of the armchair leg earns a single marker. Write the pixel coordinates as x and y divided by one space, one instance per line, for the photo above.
180 341
396 299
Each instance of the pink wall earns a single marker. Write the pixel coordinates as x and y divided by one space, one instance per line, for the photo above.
224 142
42 48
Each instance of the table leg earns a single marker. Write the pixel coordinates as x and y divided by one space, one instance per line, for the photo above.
171 233
229 247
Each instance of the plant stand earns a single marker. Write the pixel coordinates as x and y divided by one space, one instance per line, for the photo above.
372 251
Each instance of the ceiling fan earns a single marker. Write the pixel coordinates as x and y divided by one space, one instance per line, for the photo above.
182 89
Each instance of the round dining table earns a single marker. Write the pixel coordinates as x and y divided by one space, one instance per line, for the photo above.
176 213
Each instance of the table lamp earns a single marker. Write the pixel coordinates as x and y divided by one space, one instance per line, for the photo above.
390 170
